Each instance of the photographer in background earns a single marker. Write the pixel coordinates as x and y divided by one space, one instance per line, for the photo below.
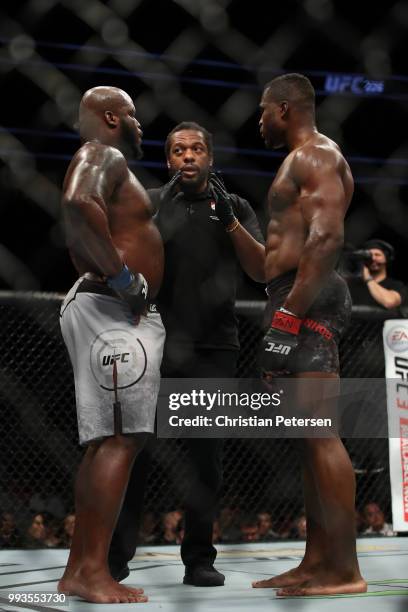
372 286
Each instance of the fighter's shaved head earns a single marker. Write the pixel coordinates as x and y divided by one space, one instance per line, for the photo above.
103 98
104 115
107 114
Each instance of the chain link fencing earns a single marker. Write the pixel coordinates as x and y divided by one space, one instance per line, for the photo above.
210 65
40 452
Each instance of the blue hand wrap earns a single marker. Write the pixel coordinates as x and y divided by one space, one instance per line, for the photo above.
121 280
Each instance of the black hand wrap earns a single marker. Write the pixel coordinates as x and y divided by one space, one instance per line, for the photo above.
223 200
132 288
279 343
168 191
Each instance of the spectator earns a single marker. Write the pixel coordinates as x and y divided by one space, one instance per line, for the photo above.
285 528
375 519
147 533
53 533
36 532
229 524
266 532
249 528
300 528
68 527
373 287
171 524
9 534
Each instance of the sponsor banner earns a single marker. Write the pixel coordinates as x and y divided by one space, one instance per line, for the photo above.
283 407
395 337
347 84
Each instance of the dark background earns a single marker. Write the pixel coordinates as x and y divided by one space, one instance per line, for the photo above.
204 61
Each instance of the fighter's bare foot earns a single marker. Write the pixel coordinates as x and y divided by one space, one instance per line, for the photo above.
135 590
290 578
99 587
65 585
324 586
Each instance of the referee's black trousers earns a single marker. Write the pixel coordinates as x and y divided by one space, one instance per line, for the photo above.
205 455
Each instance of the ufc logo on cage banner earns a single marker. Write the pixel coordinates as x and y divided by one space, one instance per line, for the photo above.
395 337
117 346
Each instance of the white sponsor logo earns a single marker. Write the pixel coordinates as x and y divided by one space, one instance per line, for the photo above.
397 338
283 349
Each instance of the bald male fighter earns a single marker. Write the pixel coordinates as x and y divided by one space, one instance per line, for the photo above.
111 328
309 308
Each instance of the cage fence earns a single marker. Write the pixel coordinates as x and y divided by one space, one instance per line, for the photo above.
40 452
210 66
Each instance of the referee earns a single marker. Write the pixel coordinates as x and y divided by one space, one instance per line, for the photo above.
208 234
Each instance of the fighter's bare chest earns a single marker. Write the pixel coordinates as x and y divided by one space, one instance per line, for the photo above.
131 197
283 193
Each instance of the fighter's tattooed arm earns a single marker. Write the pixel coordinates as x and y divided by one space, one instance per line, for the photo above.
95 173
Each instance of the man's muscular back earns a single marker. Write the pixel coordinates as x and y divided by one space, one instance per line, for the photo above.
108 217
314 179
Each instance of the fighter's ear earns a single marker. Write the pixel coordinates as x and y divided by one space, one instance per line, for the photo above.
111 119
284 107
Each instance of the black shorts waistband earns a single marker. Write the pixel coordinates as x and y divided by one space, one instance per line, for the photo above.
284 283
281 283
92 286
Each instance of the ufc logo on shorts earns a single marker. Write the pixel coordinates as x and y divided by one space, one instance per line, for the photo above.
110 359
283 349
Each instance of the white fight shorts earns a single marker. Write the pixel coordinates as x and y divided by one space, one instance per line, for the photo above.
101 332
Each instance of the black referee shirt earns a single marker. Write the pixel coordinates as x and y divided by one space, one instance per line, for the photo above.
197 296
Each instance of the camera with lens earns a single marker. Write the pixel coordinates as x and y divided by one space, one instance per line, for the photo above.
352 261
363 255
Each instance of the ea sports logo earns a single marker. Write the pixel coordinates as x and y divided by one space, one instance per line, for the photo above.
397 338
120 347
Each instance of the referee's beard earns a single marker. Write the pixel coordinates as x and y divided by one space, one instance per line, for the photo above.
195 184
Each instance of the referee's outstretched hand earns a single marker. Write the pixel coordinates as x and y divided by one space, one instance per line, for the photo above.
223 201
169 192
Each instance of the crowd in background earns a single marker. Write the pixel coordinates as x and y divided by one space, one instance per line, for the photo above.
44 530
